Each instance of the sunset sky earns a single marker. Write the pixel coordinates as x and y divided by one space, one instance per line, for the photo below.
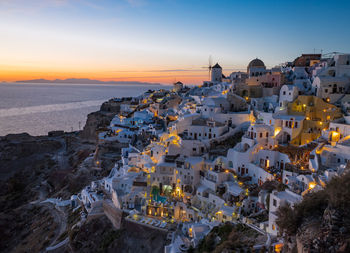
161 41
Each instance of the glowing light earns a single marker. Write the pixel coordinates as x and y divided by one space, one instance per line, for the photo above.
190 232
225 92
335 136
312 185
227 171
277 130
278 247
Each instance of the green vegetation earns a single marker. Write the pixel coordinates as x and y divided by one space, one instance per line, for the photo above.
108 238
336 196
228 237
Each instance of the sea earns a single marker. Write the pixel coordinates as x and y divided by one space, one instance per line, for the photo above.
37 108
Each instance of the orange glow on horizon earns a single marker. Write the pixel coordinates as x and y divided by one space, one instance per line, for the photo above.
11 74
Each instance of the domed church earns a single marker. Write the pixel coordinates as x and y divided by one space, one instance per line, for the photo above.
256 68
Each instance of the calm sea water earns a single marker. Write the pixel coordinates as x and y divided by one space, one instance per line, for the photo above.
40 108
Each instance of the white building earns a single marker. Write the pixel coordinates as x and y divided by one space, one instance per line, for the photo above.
287 94
276 200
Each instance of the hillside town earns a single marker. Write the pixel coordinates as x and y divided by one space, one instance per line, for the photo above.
232 150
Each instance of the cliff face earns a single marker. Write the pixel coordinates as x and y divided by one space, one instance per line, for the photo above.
99 235
321 222
96 121
99 120
22 150
230 238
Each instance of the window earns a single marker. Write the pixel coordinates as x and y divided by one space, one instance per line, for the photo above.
261 135
194 149
267 134
284 93
296 124
274 202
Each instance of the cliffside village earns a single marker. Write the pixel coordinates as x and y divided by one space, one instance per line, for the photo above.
234 149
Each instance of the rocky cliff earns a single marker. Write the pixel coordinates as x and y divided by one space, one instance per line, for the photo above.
100 120
321 222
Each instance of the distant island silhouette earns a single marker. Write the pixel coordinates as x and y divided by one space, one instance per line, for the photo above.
85 81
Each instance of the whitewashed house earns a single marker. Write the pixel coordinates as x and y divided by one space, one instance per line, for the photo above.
276 200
